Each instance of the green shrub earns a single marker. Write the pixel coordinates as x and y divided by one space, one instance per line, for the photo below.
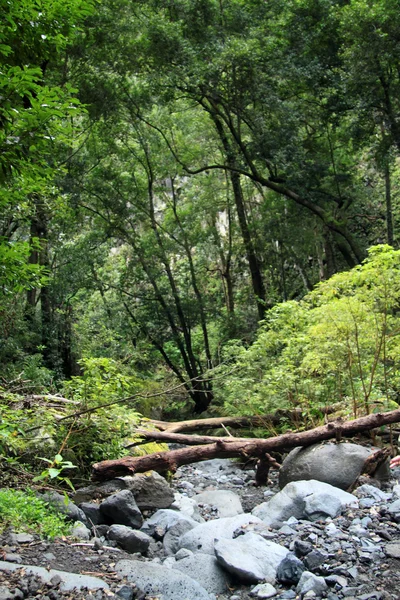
340 344
23 511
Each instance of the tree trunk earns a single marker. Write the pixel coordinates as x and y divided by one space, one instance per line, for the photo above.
230 448
389 210
252 259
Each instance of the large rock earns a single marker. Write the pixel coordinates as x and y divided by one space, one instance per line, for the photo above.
69 581
93 513
163 520
201 539
173 536
129 539
206 570
250 557
227 503
157 580
151 491
310 500
99 491
121 508
339 465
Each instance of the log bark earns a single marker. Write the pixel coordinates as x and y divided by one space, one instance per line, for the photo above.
181 438
231 448
250 421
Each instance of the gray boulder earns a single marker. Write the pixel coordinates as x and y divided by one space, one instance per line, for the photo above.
250 557
92 512
227 503
173 535
157 580
339 465
151 491
122 509
163 520
129 539
100 491
206 570
304 500
201 539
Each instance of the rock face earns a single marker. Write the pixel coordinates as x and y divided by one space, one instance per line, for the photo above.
227 503
337 464
310 500
250 558
157 580
121 508
201 539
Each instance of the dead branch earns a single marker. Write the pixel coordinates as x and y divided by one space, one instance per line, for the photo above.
181 438
250 421
231 448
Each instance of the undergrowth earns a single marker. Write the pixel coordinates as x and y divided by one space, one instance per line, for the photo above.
25 512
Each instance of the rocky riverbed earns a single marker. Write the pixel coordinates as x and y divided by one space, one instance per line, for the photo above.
223 538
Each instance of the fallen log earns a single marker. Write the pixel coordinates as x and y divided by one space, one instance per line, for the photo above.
250 421
181 438
231 448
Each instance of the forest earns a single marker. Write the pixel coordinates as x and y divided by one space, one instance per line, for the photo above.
199 216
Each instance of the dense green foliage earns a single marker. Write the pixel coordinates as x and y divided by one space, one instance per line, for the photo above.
188 191
339 344
24 511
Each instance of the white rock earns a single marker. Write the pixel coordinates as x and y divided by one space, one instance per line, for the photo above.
304 500
227 503
250 557
201 539
263 590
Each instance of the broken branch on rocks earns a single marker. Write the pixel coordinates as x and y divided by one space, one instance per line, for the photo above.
232 448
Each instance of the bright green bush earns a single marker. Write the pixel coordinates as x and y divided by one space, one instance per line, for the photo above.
23 511
340 344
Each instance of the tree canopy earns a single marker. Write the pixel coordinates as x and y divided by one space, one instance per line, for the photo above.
186 185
